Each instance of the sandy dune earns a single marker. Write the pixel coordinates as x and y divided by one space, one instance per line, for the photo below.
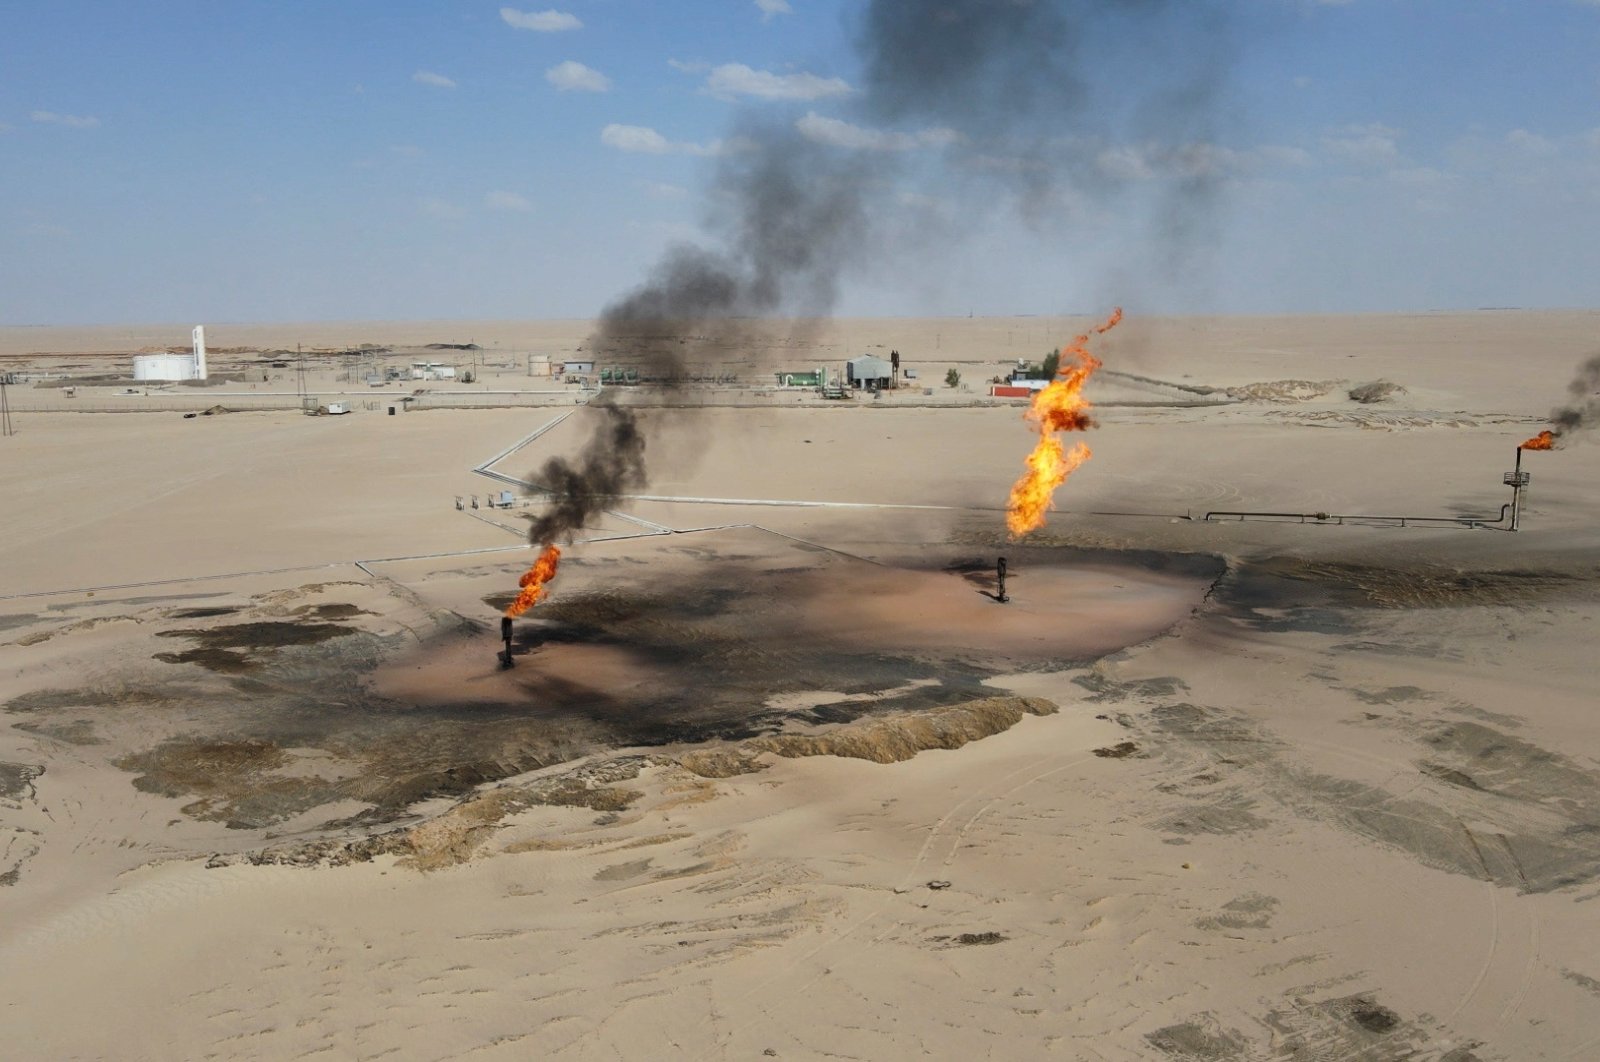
1227 789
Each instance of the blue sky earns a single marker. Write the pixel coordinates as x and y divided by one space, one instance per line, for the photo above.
304 160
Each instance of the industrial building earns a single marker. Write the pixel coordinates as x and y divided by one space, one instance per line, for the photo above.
432 370
174 367
870 372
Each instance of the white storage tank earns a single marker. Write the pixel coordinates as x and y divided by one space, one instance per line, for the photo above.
174 366
164 367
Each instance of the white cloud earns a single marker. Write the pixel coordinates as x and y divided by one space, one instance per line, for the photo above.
540 21
507 201
682 67
73 120
642 140
1285 156
661 190
735 79
406 151
1368 145
770 9
442 209
1422 177
1302 82
840 133
922 201
1532 143
5 127
428 77
1141 162
1124 164
636 138
575 77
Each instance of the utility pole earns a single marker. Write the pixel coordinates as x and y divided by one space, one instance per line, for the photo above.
6 380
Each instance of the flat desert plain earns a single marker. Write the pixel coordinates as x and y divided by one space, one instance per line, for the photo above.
775 773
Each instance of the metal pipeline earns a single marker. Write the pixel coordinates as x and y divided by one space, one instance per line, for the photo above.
1486 522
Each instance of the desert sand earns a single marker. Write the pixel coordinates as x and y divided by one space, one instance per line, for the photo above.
775 774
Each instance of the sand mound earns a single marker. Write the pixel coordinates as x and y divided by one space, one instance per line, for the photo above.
456 835
901 737
1376 391
1282 390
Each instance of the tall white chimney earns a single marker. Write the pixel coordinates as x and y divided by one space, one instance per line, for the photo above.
200 352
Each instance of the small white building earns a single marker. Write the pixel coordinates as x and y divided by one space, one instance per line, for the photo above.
432 370
174 367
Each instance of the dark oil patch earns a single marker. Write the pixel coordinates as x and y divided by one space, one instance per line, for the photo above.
16 779
1355 1027
990 937
1199 1040
1391 695
1449 774
1104 689
1121 750
72 731
1250 911
97 697
1498 842
222 661
1278 582
230 780
721 646
8 623
265 634
336 611
228 649
205 613
1373 1017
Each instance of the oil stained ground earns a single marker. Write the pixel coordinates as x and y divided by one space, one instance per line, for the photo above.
275 717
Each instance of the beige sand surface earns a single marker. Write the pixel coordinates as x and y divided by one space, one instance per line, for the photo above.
1313 790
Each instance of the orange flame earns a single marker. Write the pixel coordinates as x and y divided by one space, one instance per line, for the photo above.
533 580
1545 440
1057 407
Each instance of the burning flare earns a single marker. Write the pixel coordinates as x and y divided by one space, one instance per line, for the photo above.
533 580
1545 440
1057 407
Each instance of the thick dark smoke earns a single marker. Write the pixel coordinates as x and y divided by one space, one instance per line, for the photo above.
1021 97
1070 105
1584 409
790 214
612 462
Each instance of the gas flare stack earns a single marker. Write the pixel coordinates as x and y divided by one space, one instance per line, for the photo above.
1518 479
505 635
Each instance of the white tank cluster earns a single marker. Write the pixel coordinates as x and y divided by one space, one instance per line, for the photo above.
174 366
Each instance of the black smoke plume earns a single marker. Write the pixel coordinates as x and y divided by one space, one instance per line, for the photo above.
790 214
1584 409
1023 97
612 462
